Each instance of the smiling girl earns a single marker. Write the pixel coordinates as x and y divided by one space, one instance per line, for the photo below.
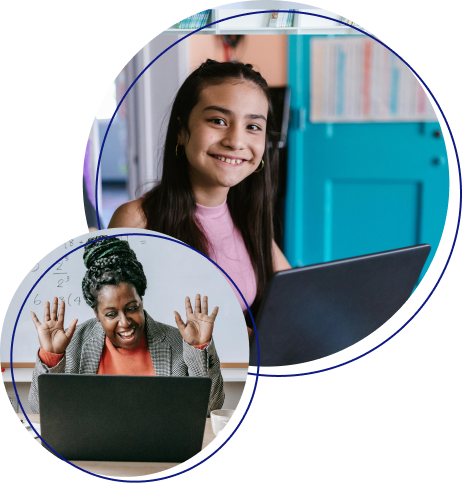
218 183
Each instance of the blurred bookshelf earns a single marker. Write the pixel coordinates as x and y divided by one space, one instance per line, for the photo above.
246 21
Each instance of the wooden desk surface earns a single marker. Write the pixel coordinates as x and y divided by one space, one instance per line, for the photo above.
120 468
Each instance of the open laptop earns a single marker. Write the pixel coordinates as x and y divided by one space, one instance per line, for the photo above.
312 312
123 418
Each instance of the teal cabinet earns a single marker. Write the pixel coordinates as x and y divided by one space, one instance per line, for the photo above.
357 188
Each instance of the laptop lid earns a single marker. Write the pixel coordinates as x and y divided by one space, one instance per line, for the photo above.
312 312
123 418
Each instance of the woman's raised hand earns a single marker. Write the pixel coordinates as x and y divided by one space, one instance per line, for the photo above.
199 325
51 333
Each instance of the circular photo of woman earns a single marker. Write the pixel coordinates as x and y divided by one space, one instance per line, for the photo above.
125 347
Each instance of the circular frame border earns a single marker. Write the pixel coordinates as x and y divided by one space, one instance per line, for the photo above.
428 90
31 424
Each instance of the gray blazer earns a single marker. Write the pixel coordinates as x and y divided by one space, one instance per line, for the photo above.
170 354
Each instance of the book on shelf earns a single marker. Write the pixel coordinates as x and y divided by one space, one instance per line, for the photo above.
349 22
291 17
282 19
273 19
204 18
194 22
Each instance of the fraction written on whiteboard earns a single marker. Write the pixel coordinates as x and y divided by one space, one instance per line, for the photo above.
62 274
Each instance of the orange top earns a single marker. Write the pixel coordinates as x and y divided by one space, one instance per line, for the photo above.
114 361
136 362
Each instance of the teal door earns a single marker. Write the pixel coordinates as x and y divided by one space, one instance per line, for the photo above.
359 188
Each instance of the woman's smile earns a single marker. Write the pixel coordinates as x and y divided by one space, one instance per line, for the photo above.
120 312
128 335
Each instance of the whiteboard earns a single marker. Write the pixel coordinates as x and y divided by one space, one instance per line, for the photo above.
173 271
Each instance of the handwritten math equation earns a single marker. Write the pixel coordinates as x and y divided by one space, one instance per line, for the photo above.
61 275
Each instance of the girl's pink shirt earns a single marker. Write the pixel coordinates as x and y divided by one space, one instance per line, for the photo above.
228 250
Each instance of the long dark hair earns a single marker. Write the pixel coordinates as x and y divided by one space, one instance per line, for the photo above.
170 206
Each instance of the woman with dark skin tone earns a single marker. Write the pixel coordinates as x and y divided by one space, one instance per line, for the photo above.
123 338
120 311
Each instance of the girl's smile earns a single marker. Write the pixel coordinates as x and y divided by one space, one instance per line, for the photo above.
229 159
226 138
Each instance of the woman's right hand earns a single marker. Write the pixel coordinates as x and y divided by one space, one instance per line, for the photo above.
52 336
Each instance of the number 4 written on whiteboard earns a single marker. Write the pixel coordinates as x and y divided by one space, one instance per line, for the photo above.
71 299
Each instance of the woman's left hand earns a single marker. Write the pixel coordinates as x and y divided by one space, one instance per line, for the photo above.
199 325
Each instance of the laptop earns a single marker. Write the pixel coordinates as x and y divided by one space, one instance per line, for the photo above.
312 312
123 418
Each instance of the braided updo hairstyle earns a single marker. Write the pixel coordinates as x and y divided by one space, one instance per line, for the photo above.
110 261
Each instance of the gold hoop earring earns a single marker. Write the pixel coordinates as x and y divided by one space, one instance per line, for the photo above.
262 165
176 149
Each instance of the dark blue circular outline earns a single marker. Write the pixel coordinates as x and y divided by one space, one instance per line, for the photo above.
14 332
429 92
